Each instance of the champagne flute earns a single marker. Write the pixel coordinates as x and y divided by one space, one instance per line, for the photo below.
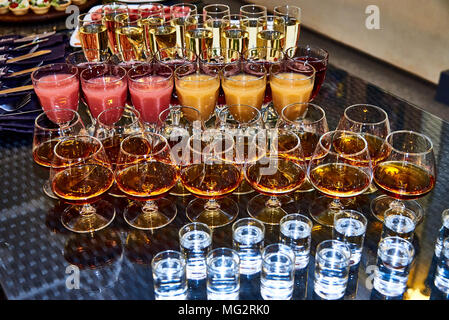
93 35
275 175
405 173
292 17
233 32
49 128
372 123
130 36
271 32
80 174
146 10
199 35
149 24
338 174
216 12
109 12
309 122
178 14
145 172
253 12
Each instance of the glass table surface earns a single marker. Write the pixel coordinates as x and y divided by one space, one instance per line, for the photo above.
38 255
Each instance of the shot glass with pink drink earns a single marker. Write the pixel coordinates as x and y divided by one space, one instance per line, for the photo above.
151 87
105 86
57 86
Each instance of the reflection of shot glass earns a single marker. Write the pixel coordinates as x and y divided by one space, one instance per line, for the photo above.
196 240
444 232
278 272
400 222
350 227
394 256
223 278
248 239
296 232
442 275
331 269
169 276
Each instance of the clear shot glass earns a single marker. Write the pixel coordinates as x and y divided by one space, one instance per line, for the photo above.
195 241
223 277
278 272
399 222
248 240
331 269
443 233
296 232
169 275
394 258
350 228
442 275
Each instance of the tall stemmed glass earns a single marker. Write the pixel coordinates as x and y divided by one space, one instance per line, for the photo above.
151 87
244 123
245 84
199 35
145 172
197 89
275 175
309 122
253 12
271 32
290 82
104 86
178 14
112 126
149 25
110 11
93 35
233 32
316 57
206 175
338 173
371 122
49 128
216 12
146 10
177 124
292 17
80 174
130 37
57 86
405 173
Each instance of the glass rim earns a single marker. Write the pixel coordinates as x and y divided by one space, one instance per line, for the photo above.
198 71
257 118
382 111
297 215
247 51
168 252
81 17
285 152
225 7
396 239
169 109
254 6
182 5
211 151
195 225
277 75
224 251
350 133
42 114
49 67
416 217
144 136
326 53
149 65
346 252
157 54
159 5
135 111
227 17
317 107
242 71
351 212
275 9
109 67
128 14
426 138
246 220
77 136
271 17
204 19
281 248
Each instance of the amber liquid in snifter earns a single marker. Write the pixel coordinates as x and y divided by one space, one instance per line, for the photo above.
352 144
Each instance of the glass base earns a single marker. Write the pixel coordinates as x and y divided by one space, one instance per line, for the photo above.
48 191
323 209
244 188
215 212
149 215
270 210
179 190
382 203
88 218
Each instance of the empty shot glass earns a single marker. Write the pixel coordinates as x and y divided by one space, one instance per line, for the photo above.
248 240
443 233
278 272
195 241
331 269
296 232
350 228
223 278
399 222
442 275
394 257
169 275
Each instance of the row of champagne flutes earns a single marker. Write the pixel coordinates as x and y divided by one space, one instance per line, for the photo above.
134 33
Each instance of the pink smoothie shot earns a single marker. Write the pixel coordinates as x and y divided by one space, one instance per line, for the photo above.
105 92
57 91
151 95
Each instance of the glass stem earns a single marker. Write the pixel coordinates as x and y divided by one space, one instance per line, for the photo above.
396 203
87 210
150 207
212 205
336 205
273 202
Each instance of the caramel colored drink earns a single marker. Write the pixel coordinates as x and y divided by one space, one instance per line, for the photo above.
289 87
244 89
199 91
